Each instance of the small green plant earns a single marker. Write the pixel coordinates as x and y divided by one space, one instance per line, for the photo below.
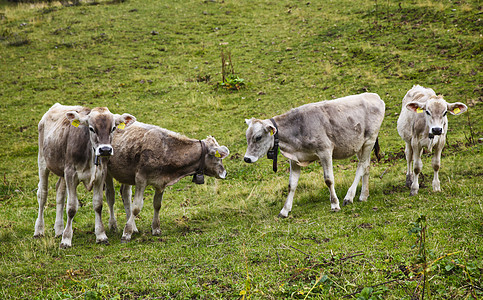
229 81
233 82
248 290
369 293
420 229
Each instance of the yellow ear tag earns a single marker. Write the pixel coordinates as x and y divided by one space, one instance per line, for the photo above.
419 110
456 110
217 154
272 132
75 123
121 125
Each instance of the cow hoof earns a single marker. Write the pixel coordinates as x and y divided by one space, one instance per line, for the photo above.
156 232
64 246
335 209
38 235
280 215
125 240
103 242
413 193
346 202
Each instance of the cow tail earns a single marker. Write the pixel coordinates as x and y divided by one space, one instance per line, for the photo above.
377 149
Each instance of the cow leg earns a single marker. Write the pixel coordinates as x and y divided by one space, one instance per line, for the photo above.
60 204
158 198
365 183
366 164
126 194
72 206
326 162
42 193
409 157
292 185
436 163
136 209
362 171
418 166
101 237
111 198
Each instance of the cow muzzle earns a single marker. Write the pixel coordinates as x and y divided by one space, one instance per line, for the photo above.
104 150
437 130
250 159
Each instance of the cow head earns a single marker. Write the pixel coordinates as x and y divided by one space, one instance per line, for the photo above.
260 138
213 158
435 111
101 123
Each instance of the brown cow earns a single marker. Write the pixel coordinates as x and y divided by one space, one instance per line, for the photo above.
149 155
75 144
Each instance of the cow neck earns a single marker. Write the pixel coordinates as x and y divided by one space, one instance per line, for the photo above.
273 153
198 177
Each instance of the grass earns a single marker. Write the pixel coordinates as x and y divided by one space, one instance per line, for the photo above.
161 61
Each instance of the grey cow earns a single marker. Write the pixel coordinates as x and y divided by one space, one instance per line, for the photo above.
326 130
423 123
74 144
150 155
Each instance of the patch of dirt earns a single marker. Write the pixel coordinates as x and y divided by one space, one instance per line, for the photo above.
365 226
394 189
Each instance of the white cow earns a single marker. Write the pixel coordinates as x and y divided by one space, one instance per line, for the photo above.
423 123
75 144
321 131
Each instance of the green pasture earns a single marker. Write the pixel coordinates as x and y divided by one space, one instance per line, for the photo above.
161 62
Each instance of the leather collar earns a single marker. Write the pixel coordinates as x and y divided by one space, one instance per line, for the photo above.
198 177
273 153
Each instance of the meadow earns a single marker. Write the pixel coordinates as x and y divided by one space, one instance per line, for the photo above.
161 61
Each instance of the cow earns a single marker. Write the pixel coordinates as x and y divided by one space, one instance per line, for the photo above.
150 155
75 144
323 131
423 123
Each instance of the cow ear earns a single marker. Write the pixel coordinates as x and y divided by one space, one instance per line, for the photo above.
457 108
75 119
416 106
270 128
125 119
219 152
248 121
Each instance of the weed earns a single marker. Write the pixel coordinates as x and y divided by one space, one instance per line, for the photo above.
369 293
230 81
426 268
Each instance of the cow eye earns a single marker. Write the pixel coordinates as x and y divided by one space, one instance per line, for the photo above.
444 114
113 128
92 129
427 112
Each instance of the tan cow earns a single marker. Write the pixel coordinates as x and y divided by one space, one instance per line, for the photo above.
423 123
75 144
321 131
150 155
